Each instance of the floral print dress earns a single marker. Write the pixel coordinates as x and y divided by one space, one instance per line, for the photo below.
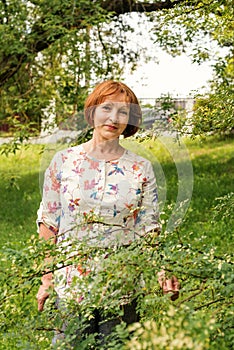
98 202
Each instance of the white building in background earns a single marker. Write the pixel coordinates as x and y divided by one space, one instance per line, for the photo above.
184 103
153 112
180 102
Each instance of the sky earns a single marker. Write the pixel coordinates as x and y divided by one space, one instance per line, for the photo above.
177 76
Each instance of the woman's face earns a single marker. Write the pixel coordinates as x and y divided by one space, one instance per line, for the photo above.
111 117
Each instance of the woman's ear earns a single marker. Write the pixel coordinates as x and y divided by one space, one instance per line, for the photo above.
90 115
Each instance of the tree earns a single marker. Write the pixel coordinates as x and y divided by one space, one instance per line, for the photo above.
213 113
46 51
54 22
206 30
55 51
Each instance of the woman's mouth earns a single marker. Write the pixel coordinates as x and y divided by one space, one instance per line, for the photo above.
111 127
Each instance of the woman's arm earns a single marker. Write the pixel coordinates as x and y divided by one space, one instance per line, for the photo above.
42 295
150 218
49 217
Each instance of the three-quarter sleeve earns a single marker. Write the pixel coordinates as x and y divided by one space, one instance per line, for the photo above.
148 215
49 212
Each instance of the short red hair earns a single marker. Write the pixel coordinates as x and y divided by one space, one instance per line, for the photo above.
110 88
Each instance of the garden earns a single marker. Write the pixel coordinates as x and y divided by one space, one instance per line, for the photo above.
198 250
52 54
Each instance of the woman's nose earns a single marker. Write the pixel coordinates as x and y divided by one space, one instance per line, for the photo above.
114 116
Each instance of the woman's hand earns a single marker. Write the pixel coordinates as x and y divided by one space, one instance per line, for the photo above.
170 285
43 292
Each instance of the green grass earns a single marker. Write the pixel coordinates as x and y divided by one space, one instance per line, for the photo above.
213 165
212 162
20 194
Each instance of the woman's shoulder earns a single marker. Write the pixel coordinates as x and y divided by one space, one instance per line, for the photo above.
134 157
69 153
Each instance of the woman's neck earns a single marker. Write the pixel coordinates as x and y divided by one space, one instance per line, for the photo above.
108 150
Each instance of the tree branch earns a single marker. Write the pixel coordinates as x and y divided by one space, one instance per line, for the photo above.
40 38
210 303
122 6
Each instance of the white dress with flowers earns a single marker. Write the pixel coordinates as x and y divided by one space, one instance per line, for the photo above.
97 202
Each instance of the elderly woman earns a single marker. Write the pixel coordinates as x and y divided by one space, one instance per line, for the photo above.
98 192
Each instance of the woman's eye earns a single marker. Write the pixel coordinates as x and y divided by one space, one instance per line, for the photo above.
124 112
106 108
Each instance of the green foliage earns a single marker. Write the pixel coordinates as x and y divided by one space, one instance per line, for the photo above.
204 31
206 295
213 114
55 52
193 25
174 116
223 209
22 130
199 253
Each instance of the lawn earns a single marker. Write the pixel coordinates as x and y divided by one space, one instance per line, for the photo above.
212 177
20 194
